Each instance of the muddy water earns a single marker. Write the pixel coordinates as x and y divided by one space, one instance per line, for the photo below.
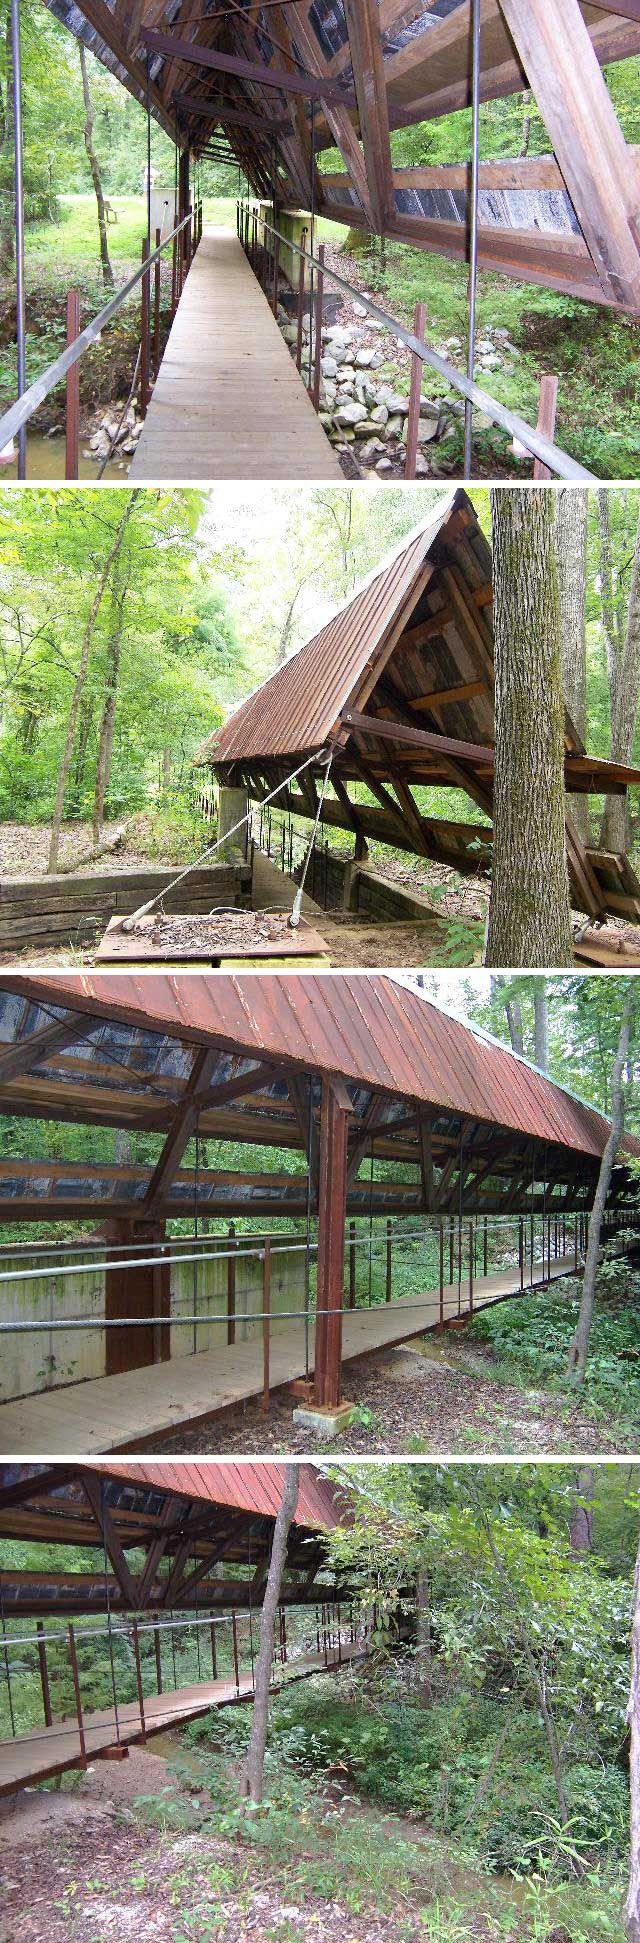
45 460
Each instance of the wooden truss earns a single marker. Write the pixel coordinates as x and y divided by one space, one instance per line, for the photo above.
286 82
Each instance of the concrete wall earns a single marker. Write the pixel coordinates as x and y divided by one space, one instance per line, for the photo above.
45 1360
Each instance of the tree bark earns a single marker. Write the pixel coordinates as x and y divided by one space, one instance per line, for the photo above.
526 122
632 1905
571 505
7 197
541 1024
581 1527
107 272
579 1349
529 912
80 680
623 659
254 1769
105 745
424 1659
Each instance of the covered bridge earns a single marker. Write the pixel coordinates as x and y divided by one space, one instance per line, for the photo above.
180 1556
397 691
374 1103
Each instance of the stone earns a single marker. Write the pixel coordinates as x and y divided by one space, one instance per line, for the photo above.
429 407
365 357
366 429
421 467
394 428
360 309
384 465
371 449
453 344
428 430
395 400
326 420
380 414
484 347
340 334
129 446
482 422
329 367
493 363
501 336
290 333
348 371
324 1423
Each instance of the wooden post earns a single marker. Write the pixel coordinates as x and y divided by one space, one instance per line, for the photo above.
158 1654
144 333
266 1321
136 1653
335 1113
301 267
78 1698
231 1285
352 1264
156 307
546 421
234 1636
415 389
44 1676
72 417
317 329
388 1283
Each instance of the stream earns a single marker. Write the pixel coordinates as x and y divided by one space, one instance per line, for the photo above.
45 461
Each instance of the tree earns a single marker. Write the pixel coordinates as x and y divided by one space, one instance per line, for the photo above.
571 504
105 745
107 272
541 1023
529 913
80 680
580 1345
623 663
254 1769
632 1905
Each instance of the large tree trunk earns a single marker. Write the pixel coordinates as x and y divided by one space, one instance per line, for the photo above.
254 1770
529 913
571 532
541 1024
7 197
632 1905
579 1349
107 272
424 1643
623 657
80 680
105 746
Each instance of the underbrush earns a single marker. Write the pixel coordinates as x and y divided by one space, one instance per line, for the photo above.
530 1340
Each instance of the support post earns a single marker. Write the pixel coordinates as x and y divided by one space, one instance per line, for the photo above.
485 1251
72 414
301 269
352 1264
18 190
78 1697
317 329
276 274
415 391
234 1637
158 1654
144 332
233 804
441 1235
156 307
214 1656
472 1250
387 1296
266 1322
136 1655
231 1285
143 1292
335 1113
44 1676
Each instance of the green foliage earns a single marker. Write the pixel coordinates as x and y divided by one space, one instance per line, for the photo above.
530 1341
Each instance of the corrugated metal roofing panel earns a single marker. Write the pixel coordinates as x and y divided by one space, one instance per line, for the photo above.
244 1486
299 705
363 1026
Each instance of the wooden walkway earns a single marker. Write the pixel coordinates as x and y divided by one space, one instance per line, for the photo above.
46 1751
137 1409
228 402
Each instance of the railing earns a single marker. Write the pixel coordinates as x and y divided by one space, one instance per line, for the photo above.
457 1252
65 366
223 1643
261 242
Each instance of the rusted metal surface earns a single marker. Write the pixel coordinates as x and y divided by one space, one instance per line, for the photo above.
243 1486
364 1027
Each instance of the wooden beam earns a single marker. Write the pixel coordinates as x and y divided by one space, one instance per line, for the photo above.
573 98
216 112
185 1120
332 1208
442 697
93 1491
288 81
26 1053
371 94
438 745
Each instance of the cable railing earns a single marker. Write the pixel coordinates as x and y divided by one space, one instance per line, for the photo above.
262 242
65 365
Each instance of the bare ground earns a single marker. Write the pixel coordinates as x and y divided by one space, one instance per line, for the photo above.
415 1403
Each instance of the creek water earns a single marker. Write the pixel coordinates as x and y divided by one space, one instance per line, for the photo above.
45 461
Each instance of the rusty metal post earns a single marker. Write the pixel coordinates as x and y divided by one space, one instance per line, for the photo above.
388 1280
485 1250
415 389
156 307
441 1290
136 1653
158 1654
301 266
214 1656
335 1113
72 416
317 329
451 1248
144 332
266 1321
472 1251
44 1676
78 1697
234 1636
352 1264
521 1253
231 1285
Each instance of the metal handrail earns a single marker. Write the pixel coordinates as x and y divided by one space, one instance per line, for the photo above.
541 448
24 407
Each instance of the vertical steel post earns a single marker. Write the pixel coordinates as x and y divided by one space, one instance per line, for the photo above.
300 302
317 329
156 307
266 1321
72 412
473 227
415 389
214 1656
485 1254
158 1654
144 333
335 1113
136 1654
234 1636
231 1285
78 1697
352 1264
18 189
44 1676
472 1251
441 1235
388 1279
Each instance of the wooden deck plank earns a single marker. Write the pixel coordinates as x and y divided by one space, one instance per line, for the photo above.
228 402
111 1413
46 1751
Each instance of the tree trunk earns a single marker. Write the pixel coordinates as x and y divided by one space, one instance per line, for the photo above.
254 1770
80 680
529 913
424 1666
107 272
526 122
105 746
632 1905
7 197
513 1011
580 1345
581 1528
624 687
541 1024
571 505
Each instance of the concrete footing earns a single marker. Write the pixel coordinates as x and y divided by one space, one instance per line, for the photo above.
324 1423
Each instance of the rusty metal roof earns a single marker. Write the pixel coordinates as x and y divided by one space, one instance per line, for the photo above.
364 1027
300 704
254 1487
